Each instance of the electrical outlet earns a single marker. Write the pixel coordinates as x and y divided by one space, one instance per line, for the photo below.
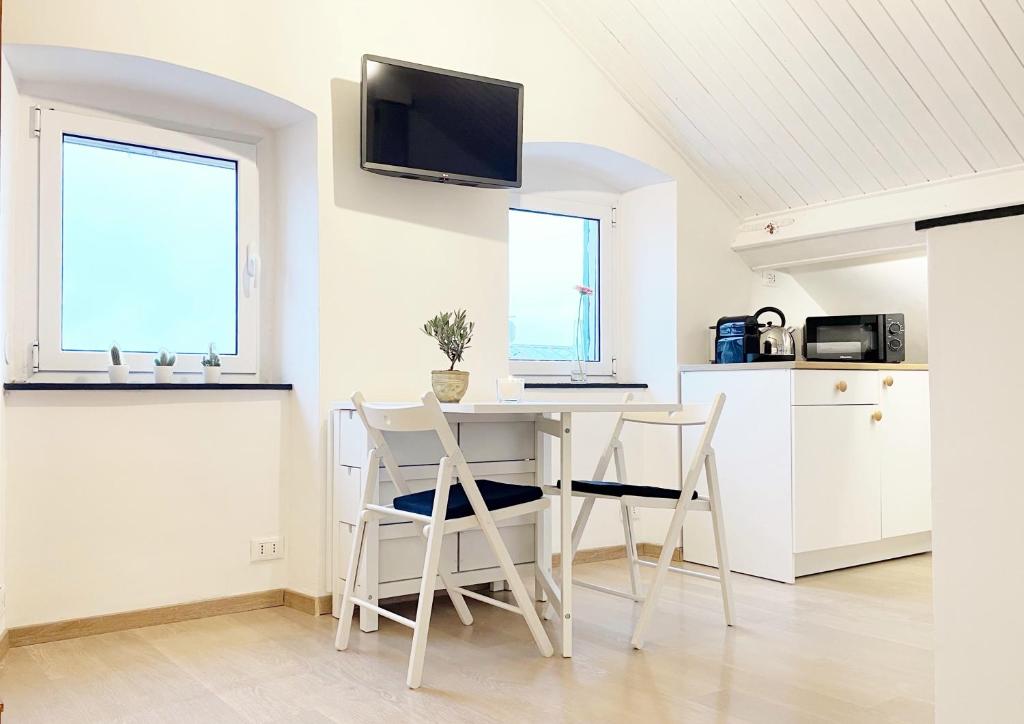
266 549
768 278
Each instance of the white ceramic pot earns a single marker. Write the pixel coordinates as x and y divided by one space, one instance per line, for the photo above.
163 375
449 385
211 375
118 374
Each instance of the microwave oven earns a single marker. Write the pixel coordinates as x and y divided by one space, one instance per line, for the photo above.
855 338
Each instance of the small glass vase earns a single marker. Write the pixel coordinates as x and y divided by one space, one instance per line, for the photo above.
577 375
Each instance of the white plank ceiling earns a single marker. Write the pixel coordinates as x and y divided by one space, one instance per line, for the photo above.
781 104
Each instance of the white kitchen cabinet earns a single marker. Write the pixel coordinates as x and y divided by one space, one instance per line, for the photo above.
836 484
392 559
906 464
752 445
820 468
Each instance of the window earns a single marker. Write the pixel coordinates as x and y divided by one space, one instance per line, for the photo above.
554 248
146 237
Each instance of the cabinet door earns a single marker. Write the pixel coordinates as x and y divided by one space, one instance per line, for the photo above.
400 552
906 453
836 476
474 553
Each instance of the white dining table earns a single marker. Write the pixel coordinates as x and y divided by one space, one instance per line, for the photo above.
555 419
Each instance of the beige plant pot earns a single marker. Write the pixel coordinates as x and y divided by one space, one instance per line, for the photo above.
449 385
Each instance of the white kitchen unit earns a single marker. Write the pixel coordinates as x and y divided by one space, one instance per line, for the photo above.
822 466
503 449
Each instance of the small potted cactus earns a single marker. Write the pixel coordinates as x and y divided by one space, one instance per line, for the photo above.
163 367
118 370
211 366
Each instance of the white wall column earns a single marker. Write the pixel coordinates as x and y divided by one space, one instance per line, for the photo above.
975 349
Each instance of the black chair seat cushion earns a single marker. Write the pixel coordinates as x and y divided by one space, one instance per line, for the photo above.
496 496
605 487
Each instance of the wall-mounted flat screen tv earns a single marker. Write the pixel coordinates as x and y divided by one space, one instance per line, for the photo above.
441 125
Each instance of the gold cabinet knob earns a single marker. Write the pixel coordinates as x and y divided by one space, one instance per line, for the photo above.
841 385
876 415
887 381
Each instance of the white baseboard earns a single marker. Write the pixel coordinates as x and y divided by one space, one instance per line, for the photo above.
830 559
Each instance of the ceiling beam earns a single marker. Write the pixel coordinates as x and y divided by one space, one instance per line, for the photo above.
985 190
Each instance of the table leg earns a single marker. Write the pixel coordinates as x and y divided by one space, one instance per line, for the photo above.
367 585
542 537
565 472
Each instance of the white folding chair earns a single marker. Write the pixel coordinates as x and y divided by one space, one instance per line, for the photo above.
646 496
445 509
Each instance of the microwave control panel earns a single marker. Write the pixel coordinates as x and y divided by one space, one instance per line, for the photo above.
895 338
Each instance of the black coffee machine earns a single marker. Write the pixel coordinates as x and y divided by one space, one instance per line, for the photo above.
739 339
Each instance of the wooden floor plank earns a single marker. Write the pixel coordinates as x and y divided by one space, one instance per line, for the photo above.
849 646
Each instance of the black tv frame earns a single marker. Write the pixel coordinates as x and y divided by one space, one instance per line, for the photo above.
427 174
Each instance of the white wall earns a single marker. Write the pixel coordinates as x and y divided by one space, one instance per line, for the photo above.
263 504
870 287
712 279
789 296
977 491
392 252
8 198
122 500
298 349
19 164
859 286
648 334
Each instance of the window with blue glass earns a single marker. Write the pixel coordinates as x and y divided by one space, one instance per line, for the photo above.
148 249
556 291
149 238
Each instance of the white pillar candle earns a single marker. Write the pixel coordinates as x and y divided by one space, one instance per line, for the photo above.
510 389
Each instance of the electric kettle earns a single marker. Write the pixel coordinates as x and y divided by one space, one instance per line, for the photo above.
776 343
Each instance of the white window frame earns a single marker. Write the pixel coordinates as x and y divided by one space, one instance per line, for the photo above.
605 366
54 124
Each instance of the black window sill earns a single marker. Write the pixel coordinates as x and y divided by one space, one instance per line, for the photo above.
586 385
39 386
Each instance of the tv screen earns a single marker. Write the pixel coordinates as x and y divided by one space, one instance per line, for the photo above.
440 125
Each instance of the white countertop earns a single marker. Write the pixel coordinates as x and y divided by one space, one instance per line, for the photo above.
803 365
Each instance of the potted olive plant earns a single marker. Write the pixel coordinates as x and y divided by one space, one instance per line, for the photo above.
211 366
453 335
117 369
163 367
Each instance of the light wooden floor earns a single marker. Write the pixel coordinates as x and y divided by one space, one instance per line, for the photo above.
849 646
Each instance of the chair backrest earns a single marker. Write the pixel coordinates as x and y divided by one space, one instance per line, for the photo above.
427 416
704 449
688 416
